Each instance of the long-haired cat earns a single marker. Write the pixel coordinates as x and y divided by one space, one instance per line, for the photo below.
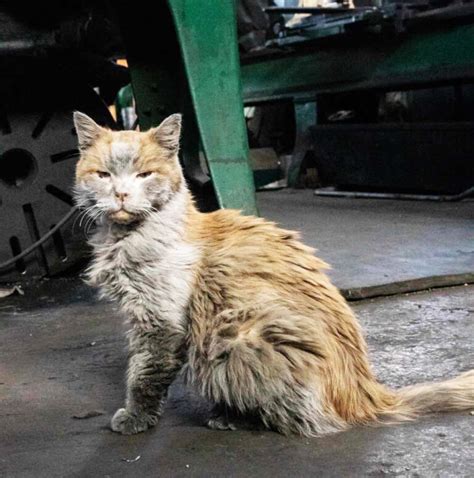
243 307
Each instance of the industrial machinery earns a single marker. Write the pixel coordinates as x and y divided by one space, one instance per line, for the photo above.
54 58
57 55
381 96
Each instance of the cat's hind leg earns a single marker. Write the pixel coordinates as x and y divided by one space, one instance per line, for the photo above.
266 361
224 418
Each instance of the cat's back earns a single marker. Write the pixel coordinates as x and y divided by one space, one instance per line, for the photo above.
250 246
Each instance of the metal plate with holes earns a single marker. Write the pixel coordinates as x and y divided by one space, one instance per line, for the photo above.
38 152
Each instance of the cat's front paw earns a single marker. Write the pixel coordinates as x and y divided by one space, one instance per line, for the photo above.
128 423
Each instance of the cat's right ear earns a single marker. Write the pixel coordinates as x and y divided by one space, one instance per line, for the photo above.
87 130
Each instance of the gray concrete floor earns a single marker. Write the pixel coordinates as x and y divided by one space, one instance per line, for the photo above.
373 242
62 355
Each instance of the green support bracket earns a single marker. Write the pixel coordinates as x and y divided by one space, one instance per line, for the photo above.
186 52
363 62
305 118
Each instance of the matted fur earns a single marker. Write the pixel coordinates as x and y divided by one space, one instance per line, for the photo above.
240 304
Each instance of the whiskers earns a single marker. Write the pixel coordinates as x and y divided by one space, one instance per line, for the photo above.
147 211
88 216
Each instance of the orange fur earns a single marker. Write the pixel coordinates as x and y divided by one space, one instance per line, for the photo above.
250 262
252 266
242 301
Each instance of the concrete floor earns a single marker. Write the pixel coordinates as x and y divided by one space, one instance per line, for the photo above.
62 355
373 242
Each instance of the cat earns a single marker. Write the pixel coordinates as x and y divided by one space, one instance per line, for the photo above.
240 306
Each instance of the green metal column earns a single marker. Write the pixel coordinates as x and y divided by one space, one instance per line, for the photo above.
186 51
208 41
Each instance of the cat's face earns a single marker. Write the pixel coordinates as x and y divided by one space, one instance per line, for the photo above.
123 176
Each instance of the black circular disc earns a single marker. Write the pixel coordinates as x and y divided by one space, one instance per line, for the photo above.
38 153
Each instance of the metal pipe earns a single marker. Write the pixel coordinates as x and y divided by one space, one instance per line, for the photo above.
331 192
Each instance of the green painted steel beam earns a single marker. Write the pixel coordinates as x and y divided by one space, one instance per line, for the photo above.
364 61
184 57
207 34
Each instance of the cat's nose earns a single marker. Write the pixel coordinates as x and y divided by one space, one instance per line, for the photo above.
121 196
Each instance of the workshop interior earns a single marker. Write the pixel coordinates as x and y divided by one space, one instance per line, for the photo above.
351 121
328 92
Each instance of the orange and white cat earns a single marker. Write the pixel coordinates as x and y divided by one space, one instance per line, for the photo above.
243 307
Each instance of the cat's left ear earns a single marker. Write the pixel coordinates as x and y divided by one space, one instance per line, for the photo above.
167 133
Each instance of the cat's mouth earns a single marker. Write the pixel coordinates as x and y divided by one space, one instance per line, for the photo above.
122 216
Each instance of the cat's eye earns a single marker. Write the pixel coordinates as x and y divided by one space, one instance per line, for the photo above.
103 174
145 174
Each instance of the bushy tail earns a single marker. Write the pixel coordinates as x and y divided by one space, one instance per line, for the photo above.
451 395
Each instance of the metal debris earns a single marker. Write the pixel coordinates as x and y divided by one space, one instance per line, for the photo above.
131 460
7 291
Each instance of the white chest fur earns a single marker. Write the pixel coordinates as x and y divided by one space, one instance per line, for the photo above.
149 270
